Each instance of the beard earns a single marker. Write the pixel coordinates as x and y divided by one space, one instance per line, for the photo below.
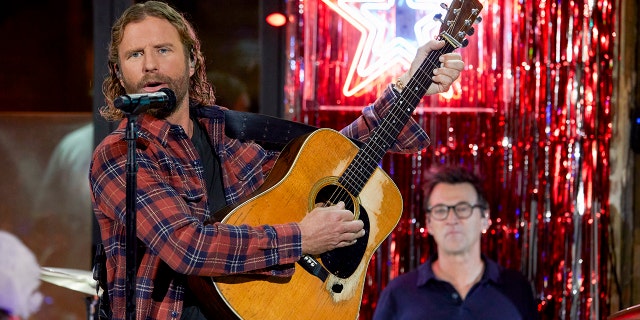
179 86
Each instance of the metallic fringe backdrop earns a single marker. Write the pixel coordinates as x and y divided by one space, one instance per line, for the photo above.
531 113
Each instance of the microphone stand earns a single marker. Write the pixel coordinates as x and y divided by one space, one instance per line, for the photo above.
133 105
131 136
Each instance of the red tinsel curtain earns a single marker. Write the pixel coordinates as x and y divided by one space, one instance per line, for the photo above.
531 113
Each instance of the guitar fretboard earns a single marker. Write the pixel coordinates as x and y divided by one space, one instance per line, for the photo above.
366 160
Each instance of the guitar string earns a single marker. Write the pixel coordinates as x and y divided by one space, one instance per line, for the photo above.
340 193
422 78
415 89
419 83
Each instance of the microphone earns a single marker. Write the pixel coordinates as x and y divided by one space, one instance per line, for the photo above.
163 100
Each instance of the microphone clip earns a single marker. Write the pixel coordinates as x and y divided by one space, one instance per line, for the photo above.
163 102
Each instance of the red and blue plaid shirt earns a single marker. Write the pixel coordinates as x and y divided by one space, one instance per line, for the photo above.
172 205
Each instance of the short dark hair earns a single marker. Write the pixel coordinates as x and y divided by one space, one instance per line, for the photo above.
452 175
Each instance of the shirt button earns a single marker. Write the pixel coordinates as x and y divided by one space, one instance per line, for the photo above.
454 296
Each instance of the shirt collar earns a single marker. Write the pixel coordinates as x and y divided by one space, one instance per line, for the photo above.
148 126
491 271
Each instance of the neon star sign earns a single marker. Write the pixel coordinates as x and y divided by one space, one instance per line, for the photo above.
391 31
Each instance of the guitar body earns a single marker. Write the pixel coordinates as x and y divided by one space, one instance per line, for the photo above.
309 165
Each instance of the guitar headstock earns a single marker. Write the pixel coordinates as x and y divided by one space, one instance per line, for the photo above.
458 23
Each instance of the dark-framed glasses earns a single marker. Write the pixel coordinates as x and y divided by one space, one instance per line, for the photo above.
462 210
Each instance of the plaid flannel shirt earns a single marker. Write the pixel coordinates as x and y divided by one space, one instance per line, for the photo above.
172 205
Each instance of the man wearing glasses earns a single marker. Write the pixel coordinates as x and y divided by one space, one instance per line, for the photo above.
458 282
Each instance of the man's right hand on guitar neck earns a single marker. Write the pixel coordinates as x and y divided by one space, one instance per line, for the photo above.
326 228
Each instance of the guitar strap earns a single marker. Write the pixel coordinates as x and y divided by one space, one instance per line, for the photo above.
271 132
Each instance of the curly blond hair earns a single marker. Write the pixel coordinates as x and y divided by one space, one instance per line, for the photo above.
200 91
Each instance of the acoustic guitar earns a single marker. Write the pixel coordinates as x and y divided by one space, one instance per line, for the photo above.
326 167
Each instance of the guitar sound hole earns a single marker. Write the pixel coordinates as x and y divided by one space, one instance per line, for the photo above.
337 288
343 262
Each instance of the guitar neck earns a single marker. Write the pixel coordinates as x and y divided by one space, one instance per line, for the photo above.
385 135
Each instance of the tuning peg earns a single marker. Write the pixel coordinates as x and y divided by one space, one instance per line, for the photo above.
444 6
471 31
465 43
438 17
478 19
